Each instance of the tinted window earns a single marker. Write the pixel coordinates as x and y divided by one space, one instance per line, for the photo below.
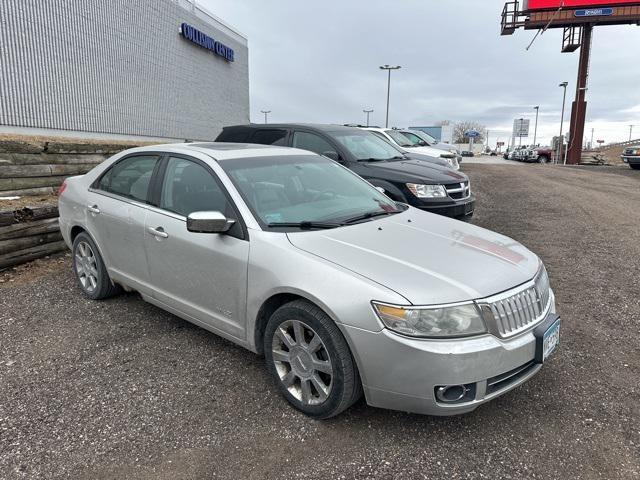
270 137
189 187
312 142
130 177
234 135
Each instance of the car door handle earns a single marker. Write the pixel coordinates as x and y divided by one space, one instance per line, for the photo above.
158 232
93 209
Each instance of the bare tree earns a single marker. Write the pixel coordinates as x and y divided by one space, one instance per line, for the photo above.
460 128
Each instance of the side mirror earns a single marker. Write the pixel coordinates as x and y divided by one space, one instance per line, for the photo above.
332 155
208 222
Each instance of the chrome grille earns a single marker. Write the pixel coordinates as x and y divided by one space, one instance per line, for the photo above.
516 311
458 191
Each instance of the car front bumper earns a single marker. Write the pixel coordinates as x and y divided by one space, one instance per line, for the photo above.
631 159
450 208
401 373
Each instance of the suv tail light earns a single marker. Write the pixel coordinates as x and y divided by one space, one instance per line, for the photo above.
62 187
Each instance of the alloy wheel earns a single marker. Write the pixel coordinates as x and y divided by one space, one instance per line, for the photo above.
302 362
86 267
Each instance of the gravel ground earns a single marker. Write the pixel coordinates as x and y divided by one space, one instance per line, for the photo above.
120 389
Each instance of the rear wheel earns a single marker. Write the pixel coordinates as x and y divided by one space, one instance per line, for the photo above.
543 159
90 270
310 360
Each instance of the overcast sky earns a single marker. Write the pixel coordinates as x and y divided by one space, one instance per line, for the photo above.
318 62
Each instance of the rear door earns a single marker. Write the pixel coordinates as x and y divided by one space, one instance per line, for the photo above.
116 208
202 275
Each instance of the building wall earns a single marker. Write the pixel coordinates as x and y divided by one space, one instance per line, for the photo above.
118 67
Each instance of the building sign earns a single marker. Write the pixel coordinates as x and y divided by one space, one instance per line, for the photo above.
205 41
594 12
555 4
521 127
472 134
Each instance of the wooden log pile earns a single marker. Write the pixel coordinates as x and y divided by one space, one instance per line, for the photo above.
29 233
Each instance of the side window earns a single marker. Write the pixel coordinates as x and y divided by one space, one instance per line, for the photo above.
189 187
312 142
233 135
270 137
130 177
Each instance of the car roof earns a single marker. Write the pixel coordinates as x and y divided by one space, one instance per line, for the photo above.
226 151
324 127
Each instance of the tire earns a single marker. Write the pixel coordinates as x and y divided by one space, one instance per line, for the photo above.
543 159
89 269
319 393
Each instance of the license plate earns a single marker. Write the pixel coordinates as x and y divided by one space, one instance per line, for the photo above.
550 339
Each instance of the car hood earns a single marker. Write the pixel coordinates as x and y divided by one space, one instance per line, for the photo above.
426 258
434 152
414 170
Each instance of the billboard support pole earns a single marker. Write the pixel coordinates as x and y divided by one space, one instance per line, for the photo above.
579 107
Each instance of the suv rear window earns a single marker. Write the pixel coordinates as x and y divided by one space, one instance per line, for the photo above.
270 137
234 135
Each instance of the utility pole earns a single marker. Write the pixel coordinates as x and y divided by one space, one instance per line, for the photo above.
561 141
367 112
266 112
535 130
630 131
388 69
591 144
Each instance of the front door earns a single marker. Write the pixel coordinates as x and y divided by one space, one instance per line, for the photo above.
200 274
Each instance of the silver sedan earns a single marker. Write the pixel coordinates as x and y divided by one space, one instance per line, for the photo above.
293 256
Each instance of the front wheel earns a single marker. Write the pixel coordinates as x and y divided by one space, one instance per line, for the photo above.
543 159
310 360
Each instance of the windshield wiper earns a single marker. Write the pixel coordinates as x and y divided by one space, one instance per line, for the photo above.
304 225
372 159
368 215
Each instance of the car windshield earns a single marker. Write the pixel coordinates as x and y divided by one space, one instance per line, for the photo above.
424 136
399 138
305 191
413 138
366 146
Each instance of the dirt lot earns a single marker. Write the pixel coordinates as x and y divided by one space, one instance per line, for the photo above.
120 389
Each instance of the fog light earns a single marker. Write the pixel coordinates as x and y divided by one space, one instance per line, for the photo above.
455 393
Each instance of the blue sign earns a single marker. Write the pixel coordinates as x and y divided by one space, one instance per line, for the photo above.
205 41
471 134
594 12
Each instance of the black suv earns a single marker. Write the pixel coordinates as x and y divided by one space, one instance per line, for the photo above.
405 177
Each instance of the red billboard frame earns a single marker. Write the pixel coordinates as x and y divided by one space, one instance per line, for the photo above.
532 5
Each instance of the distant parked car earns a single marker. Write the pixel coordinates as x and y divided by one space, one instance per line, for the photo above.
419 137
631 155
419 183
467 153
396 138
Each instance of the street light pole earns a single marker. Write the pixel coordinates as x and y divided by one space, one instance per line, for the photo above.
388 69
368 112
535 131
591 144
266 112
561 142
630 131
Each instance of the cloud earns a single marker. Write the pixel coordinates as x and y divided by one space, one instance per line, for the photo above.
318 62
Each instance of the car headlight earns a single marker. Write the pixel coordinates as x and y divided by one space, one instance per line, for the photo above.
427 191
434 322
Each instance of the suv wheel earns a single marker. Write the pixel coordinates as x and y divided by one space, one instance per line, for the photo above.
310 360
543 159
90 271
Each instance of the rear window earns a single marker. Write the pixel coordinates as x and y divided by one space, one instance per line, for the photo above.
234 135
129 177
270 137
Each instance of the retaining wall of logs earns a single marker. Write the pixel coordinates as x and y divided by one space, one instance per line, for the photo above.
35 167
